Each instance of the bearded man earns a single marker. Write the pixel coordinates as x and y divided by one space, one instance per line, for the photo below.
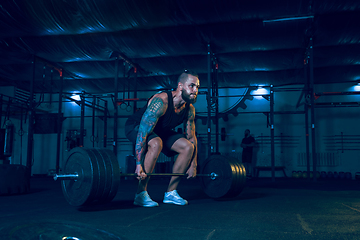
151 129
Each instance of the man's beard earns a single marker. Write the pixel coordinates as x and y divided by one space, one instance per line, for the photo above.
187 98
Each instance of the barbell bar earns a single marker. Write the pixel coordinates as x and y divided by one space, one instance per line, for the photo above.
93 175
75 176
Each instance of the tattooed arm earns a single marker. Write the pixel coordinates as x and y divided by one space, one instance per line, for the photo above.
190 135
156 108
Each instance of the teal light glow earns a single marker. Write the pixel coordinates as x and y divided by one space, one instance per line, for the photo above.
259 92
356 88
76 97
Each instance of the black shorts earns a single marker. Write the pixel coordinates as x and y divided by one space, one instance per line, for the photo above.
168 138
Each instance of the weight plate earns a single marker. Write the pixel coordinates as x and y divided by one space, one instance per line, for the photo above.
230 180
108 175
115 175
239 179
103 177
235 171
84 189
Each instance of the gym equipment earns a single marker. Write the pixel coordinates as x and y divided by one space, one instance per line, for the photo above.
348 176
13 179
94 175
357 176
230 180
222 134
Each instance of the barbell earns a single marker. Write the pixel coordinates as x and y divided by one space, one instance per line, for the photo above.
93 175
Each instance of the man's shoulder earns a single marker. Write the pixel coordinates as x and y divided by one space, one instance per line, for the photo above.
161 95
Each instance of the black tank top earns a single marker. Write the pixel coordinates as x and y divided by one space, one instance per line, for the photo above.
166 122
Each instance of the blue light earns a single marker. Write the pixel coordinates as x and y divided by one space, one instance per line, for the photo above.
357 88
259 92
76 97
287 19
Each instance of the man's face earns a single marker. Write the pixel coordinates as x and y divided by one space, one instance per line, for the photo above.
247 133
190 89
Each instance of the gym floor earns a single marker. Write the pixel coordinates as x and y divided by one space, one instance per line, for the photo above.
285 209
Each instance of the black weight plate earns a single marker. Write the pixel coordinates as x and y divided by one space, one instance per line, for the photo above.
107 177
103 177
115 175
221 185
239 177
243 176
83 190
230 180
235 169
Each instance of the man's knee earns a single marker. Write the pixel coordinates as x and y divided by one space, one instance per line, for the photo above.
189 148
155 144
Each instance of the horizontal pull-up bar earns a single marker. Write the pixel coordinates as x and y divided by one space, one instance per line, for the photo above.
336 93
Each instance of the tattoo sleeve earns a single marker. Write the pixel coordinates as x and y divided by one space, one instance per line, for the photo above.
190 132
154 111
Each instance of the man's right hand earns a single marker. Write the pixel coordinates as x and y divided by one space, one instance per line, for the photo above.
141 175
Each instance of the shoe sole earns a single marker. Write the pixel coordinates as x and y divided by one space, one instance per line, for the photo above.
141 205
175 203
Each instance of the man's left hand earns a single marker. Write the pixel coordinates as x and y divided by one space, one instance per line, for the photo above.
191 172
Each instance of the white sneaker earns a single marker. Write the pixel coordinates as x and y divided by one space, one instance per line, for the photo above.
143 199
174 198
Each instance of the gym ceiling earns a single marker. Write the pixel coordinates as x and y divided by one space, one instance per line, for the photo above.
256 42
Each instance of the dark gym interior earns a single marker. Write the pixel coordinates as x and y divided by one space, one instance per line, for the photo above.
72 72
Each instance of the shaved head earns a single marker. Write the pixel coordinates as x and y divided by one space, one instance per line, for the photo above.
184 76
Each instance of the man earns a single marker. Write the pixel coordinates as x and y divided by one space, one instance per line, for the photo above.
151 130
247 144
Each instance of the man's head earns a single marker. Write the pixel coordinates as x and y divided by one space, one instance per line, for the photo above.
247 132
188 85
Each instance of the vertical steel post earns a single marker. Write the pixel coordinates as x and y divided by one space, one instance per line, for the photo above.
135 96
30 143
105 123
216 95
116 104
93 121
1 104
306 110
59 124
135 90
307 140
51 85
311 77
82 120
272 133
208 98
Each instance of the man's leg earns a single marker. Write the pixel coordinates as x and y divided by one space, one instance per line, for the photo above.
248 165
185 150
154 148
